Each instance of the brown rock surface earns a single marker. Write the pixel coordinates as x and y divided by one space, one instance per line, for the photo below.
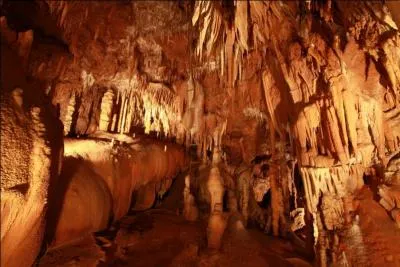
271 107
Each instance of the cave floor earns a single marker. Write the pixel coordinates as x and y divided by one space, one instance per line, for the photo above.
160 237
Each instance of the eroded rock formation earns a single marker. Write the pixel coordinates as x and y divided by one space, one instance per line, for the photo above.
287 111
31 156
100 177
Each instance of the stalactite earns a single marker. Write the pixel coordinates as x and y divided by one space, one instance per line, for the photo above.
337 101
87 80
216 227
222 61
292 185
235 70
241 22
69 115
121 111
351 118
124 114
391 48
229 50
190 92
114 123
106 110
24 44
131 111
332 128
63 14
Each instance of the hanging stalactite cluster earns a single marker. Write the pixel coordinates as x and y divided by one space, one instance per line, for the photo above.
328 114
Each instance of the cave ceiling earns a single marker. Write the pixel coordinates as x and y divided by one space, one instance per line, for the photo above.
255 67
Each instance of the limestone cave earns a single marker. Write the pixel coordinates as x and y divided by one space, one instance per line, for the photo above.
200 133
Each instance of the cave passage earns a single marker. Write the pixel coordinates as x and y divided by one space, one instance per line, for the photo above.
200 133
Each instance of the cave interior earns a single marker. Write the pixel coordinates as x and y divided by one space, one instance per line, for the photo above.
200 133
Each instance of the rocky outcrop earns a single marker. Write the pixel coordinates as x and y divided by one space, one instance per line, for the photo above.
99 178
31 156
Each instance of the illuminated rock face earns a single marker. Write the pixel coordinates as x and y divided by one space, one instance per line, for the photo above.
313 85
99 178
87 203
31 155
23 196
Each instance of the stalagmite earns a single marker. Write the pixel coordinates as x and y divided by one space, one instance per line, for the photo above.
198 109
215 188
17 95
190 211
216 227
276 202
243 188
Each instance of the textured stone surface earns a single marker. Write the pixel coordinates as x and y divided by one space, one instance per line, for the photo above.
311 86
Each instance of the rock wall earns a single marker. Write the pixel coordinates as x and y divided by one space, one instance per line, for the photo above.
99 178
31 154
